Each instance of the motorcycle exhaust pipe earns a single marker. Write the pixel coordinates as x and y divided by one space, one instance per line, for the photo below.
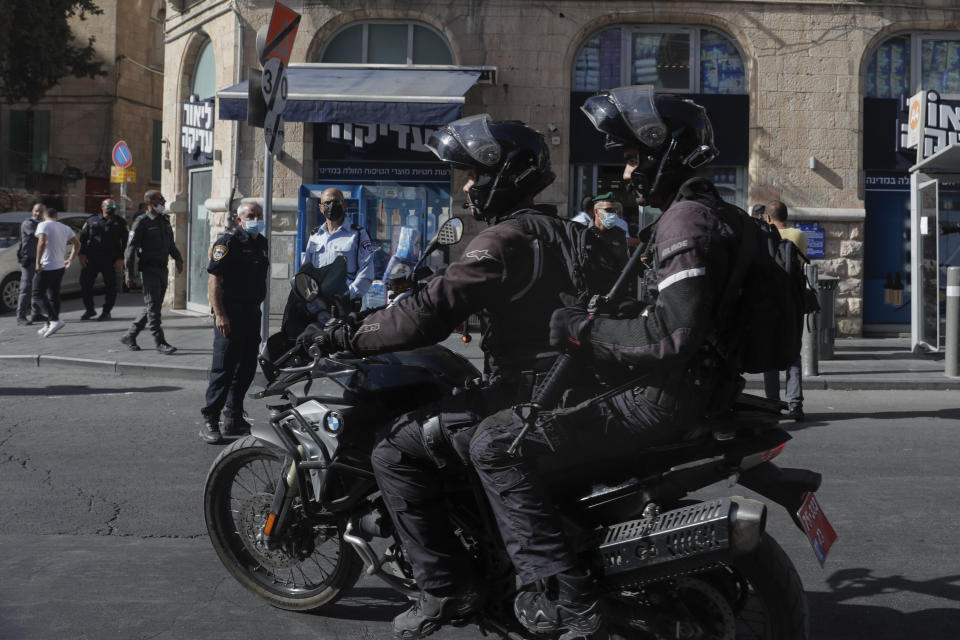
681 541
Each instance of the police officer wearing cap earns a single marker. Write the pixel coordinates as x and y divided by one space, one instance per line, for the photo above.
150 247
103 240
334 238
237 285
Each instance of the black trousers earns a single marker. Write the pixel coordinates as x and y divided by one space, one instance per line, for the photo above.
47 287
234 364
154 288
596 436
411 482
88 276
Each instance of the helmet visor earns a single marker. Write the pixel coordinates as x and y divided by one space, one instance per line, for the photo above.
628 115
466 142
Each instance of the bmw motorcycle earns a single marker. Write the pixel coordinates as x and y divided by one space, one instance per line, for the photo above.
294 513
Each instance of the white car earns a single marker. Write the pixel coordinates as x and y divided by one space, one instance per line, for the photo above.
10 268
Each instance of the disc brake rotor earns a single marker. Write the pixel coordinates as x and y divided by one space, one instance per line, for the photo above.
251 518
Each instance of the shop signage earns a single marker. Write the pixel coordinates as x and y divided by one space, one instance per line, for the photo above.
385 137
196 133
333 171
940 123
123 174
815 238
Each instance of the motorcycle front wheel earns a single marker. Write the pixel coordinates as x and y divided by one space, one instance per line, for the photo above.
758 596
313 566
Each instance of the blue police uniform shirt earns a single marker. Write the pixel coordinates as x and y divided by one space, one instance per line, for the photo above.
353 244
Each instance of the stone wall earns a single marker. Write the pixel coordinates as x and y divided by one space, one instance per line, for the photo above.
805 66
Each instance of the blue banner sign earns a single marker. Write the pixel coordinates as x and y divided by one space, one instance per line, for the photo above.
815 238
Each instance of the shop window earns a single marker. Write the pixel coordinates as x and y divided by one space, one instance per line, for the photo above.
388 43
680 59
29 150
204 80
907 63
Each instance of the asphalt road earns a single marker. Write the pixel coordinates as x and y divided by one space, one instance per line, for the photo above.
103 534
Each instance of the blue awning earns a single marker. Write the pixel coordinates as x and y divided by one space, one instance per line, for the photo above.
385 94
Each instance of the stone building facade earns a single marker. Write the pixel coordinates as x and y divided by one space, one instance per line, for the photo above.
60 148
794 108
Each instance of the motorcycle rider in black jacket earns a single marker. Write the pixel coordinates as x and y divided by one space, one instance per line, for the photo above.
515 278
664 140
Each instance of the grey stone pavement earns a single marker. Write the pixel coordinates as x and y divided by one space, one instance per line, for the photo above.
93 348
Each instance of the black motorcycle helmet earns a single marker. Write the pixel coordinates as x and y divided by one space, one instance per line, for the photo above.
673 137
511 161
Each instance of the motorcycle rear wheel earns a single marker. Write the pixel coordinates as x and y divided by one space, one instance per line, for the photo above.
315 566
759 596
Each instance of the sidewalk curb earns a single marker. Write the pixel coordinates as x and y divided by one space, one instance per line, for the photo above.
203 373
111 366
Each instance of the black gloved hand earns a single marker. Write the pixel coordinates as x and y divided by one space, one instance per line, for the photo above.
568 325
330 339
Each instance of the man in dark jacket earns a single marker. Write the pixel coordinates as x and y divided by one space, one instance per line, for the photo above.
237 285
664 139
514 273
28 302
151 244
102 243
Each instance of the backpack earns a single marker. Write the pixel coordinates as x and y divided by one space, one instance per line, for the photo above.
764 303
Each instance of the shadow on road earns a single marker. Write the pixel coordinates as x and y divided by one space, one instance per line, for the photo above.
831 612
81 390
827 419
374 604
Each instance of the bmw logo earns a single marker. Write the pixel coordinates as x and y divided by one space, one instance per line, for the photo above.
333 422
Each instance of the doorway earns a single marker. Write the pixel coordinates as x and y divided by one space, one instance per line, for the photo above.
198 241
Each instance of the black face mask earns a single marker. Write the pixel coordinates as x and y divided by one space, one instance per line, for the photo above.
332 211
111 211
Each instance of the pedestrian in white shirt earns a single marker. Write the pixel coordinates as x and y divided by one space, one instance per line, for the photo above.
52 240
585 216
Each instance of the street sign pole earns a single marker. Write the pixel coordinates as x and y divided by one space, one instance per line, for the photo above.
123 200
267 215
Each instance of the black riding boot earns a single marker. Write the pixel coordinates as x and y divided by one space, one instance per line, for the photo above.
568 604
431 612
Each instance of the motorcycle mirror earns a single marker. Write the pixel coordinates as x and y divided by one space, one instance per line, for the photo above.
451 231
306 287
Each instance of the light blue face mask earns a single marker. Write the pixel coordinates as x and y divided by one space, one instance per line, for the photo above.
254 227
609 220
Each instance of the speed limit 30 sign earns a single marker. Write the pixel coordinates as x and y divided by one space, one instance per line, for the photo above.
273 85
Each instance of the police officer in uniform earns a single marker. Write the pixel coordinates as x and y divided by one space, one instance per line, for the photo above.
103 240
513 271
236 286
334 238
151 244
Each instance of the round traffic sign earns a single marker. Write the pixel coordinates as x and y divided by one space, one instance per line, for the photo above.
121 155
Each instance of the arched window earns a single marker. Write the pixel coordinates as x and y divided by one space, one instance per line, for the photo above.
679 59
909 62
379 42
203 82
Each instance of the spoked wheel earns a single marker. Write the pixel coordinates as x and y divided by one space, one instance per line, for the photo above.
757 597
313 566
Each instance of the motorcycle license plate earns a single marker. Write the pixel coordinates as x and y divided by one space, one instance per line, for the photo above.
817 527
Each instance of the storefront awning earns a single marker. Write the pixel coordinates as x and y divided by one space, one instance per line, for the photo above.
947 160
384 94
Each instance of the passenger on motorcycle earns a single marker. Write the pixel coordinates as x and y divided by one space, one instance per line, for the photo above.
515 278
664 140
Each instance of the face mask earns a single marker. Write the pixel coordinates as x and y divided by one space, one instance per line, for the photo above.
111 211
333 211
609 220
158 208
254 227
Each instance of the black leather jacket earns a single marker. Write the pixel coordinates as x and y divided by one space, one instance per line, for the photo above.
512 276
